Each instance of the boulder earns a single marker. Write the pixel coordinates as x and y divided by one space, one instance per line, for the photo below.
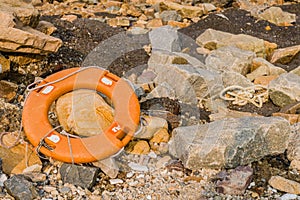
230 58
212 39
285 89
230 142
84 112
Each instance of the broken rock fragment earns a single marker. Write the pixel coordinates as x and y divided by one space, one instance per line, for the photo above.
235 182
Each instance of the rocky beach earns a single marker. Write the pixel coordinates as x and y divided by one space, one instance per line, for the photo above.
217 83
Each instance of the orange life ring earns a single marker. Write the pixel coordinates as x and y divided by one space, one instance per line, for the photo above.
83 150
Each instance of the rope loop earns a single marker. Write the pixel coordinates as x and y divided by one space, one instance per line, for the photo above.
257 95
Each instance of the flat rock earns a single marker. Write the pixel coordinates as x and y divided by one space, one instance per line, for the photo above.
165 38
284 185
4 64
84 112
20 188
230 58
108 166
8 90
229 142
82 176
235 182
185 11
285 55
27 40
285 89
276 16
212 39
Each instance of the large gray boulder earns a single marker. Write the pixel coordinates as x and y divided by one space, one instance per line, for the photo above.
229 142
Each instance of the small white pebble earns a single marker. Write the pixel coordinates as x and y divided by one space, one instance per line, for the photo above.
115 181
152 154
148 197
137 167
129 174
288 197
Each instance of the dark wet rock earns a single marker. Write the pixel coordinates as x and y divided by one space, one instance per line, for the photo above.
234 182
20 188
229 142
79 175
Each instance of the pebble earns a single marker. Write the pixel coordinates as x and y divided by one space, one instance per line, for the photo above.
285 185
137 167
3 178
129 174
288 197
115 181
